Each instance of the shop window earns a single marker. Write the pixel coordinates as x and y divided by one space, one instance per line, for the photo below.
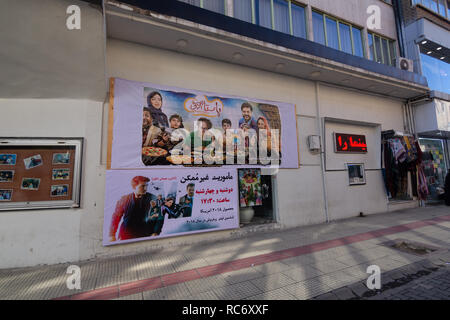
255 193
435 167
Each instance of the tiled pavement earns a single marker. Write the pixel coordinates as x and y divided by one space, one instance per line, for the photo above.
326 261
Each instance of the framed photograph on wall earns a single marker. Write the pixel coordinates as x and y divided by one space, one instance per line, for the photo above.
356 173
40 173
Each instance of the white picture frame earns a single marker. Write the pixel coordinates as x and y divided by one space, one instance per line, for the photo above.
356 174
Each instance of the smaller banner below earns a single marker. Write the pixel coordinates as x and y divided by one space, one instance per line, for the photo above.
145 205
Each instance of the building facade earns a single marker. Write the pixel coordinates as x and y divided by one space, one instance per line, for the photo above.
317 55
425 26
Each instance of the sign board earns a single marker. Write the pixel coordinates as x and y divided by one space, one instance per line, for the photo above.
350 143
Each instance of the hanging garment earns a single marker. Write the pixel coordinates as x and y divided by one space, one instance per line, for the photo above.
422 187
411 153
398 150
392 170
447 189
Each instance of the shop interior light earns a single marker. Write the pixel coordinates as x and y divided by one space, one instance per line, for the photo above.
442 58
439 48
429 52
424 41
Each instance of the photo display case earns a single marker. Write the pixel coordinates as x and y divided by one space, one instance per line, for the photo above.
40 173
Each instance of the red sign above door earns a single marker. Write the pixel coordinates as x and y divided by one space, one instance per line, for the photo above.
350 143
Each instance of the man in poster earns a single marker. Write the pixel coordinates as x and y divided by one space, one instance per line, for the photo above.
187 201
132 209
247 119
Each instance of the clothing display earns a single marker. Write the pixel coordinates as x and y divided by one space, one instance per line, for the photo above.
402 156
447 189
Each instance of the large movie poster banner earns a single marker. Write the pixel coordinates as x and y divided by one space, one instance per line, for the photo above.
153 204
157 126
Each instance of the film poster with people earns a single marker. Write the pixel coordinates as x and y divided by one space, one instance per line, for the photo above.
157 126
152 204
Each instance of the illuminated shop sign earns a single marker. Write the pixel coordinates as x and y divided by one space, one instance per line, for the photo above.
350 143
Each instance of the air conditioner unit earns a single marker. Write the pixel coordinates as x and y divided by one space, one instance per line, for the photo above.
405 64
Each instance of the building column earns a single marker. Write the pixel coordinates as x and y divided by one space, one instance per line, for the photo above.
366 43
229 8
309 23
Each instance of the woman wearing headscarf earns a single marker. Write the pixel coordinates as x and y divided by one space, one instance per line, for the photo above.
154 103
264 134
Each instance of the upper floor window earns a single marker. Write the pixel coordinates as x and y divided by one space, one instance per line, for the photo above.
441 7
437 72
337 34
381 50
213 5
281 15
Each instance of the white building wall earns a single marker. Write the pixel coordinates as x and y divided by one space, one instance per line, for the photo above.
33 237
61 235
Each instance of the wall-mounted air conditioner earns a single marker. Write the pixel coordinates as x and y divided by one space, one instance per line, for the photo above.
405 64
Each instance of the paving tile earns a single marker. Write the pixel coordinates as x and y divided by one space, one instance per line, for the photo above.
272 282
237 291
136 296
208 295
327 296
337 279
177 291
272 267
302 273
359 289
242 275
344 293
307 289
206 284
278 294
104 282
189 265
328 266
299 261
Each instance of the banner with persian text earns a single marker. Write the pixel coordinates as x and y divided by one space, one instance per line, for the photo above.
157 126
153 204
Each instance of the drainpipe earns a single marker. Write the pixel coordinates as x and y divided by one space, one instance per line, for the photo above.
321 130
398 14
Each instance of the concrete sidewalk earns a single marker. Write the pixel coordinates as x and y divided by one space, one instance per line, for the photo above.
299 263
